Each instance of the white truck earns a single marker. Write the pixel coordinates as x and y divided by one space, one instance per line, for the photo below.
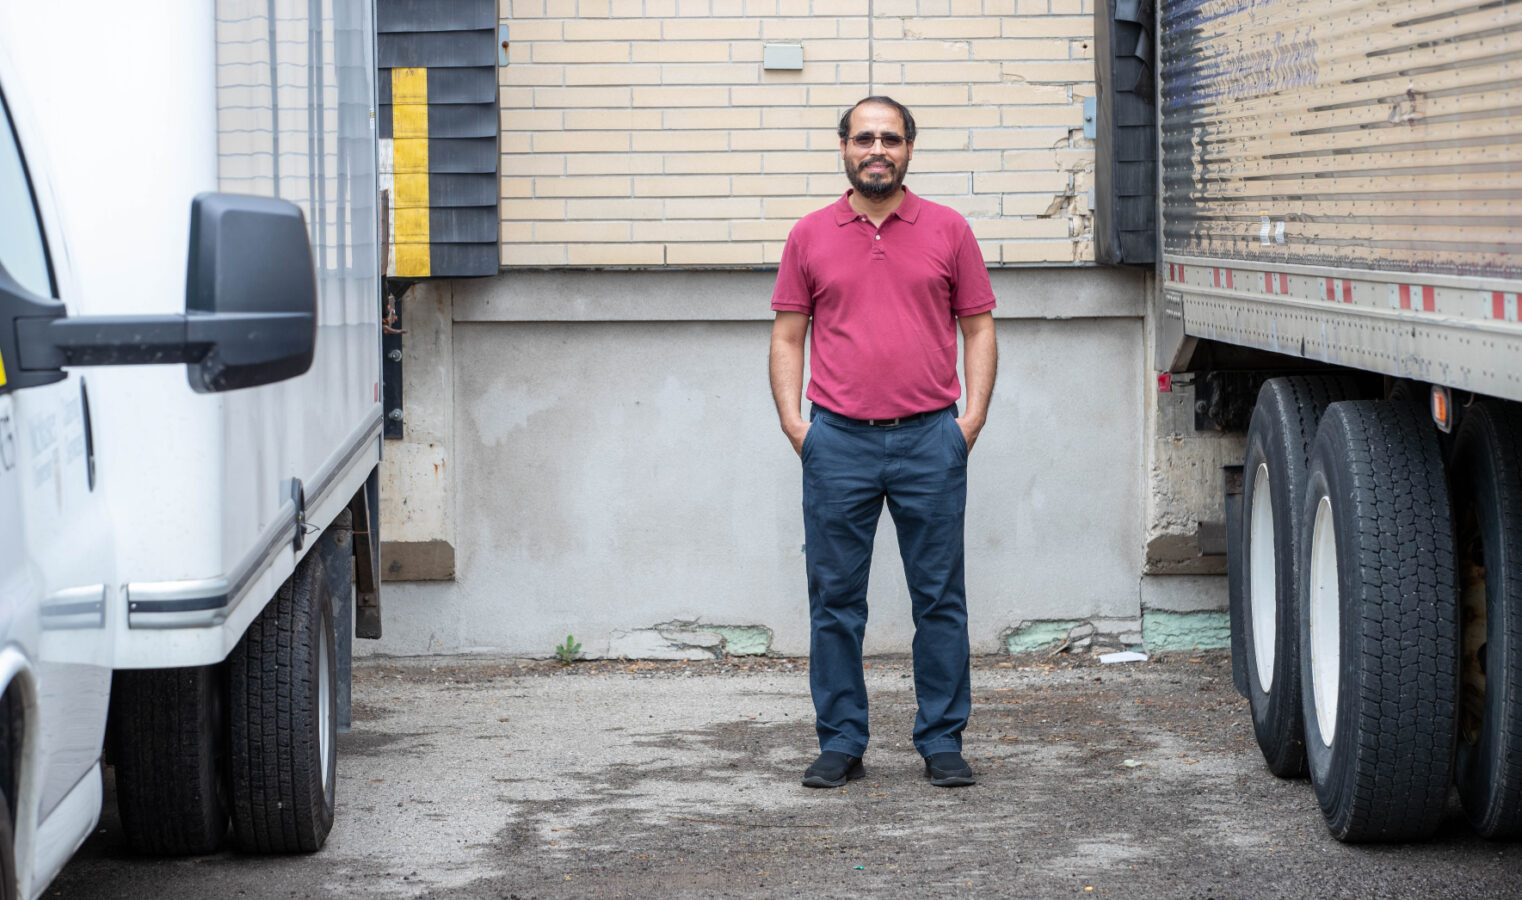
1340 275
190 418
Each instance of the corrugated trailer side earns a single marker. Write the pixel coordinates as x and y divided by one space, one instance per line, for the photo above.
1339 180
1338 187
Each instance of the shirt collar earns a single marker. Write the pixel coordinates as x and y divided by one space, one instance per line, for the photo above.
909 210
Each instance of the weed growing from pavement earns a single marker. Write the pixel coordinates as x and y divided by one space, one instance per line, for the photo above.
567 651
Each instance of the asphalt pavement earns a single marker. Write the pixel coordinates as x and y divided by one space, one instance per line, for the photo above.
481 778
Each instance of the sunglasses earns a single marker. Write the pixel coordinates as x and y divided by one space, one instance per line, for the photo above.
865 141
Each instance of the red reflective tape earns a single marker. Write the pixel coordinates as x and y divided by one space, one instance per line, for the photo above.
1230 279
1331 290
1216 273
1429 298
1283 283
1347 291
1405 296
1268 282
1498 305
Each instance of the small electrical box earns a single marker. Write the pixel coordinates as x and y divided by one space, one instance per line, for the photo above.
784 57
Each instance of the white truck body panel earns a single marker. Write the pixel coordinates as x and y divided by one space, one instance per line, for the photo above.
202 483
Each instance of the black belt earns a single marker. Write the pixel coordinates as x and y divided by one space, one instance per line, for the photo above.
901 420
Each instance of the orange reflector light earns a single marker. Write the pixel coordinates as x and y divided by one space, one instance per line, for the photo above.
1441 414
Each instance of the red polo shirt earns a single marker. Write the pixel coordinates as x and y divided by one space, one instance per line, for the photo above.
884 303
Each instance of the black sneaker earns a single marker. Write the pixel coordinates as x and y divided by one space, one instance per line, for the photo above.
833 769
948 770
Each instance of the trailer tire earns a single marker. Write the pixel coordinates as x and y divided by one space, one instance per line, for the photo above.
1487 487
283 691
1278 453
170 753
1378 623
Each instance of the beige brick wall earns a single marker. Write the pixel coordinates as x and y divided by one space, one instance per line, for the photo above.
645 133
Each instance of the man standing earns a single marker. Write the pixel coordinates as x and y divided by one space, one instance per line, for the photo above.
886 277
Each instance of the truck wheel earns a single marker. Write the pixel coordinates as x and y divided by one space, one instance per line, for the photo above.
1487 486
1278 452
170 755
1378 623
283 698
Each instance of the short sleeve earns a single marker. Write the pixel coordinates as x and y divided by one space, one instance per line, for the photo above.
792 293
973 294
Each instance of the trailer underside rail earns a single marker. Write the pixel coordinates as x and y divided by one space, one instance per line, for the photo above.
1449 330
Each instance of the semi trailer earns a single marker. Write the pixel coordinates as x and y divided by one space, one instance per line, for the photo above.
1328 191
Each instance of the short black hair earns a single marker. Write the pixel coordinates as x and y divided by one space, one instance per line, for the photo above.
845 120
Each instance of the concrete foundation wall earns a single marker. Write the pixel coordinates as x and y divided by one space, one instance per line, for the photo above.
624 480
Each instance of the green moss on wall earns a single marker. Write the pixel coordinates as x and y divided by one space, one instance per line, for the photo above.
744 640
1163 630
1039 635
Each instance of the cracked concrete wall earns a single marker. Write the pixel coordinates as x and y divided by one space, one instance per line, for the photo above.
622 477
1184 471
1185 488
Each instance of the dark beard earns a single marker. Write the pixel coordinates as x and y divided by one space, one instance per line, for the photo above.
875 190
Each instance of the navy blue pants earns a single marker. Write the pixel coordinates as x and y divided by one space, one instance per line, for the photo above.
920 469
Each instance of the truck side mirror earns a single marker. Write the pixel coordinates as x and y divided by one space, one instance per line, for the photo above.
250 307
250 291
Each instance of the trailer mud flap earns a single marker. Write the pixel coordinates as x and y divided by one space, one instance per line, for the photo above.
338 565
1232 476
365 514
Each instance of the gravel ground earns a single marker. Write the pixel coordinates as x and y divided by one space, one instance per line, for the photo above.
491 778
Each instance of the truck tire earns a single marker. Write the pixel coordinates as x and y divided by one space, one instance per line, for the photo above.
1378 623
283 704
1278 453
170 752
1487 487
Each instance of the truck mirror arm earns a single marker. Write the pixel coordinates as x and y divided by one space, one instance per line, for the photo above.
54 342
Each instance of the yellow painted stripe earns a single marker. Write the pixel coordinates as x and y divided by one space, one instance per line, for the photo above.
2 371
409 86
412 260
411 190
409 132
409 155
412 225
409 120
